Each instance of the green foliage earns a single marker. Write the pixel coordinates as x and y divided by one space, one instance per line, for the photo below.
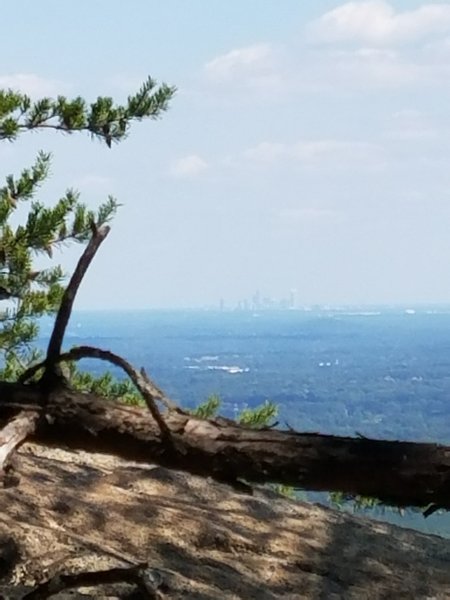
286 490
260 416
15 363
105 385
103 119
209 408
363 504
33 293
357 503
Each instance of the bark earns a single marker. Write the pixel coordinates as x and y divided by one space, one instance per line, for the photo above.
52 374
400 473
136 575
14 434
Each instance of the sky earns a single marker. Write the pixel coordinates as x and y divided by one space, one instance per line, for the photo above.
307 147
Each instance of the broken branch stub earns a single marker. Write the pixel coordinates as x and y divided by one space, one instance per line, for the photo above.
14 434
51 375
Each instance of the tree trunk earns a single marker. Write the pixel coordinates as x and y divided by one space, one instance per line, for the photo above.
401 473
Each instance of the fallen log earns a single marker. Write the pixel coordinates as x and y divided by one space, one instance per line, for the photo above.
398 473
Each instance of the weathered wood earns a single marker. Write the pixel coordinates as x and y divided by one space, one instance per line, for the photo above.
52 373
14 434
401 473
139 575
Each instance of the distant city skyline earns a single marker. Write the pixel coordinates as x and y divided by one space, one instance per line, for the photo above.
291 301
308 147
260 301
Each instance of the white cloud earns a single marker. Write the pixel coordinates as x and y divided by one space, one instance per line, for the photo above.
267 152
317 153
189 166
31 84
376 22
407 114
438 50
262 74
410 124
333 150
248 61
375 67
307 214
258 69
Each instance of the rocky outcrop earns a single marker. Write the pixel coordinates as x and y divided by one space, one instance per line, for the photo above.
73 512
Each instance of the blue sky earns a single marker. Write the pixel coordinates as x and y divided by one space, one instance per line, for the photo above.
308 146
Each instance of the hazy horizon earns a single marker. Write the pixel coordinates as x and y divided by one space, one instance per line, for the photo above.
306 308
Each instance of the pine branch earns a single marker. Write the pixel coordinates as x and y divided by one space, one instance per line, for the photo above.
45 227
102 119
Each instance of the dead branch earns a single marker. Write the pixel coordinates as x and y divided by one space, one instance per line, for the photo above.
65 309
149 391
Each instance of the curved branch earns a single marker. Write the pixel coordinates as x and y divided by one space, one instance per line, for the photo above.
149 391
65 310
159 394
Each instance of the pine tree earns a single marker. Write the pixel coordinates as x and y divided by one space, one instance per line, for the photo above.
26 292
